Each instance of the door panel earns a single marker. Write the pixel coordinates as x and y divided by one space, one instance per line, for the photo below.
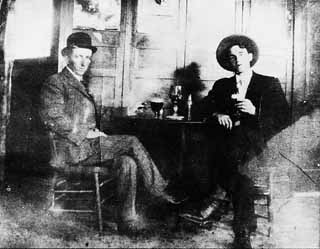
269 27
157 49
207 24
173 35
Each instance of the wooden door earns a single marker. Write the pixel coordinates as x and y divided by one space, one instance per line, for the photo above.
158 50
4 88
206 25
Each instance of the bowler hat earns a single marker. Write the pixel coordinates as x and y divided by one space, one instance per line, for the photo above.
224 46
80 40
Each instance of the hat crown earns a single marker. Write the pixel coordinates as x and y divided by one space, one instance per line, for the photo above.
222 52
79 39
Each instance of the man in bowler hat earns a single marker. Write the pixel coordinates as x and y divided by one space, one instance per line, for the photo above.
248 108
69 112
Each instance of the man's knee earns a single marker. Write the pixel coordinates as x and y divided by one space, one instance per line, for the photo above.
134 139
126 163
135 142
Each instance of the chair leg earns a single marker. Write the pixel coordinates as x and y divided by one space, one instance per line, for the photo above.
98 200
269 215
52 191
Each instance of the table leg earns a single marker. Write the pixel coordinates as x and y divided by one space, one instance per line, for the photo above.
182 151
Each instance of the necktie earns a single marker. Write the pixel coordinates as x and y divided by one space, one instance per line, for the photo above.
240 88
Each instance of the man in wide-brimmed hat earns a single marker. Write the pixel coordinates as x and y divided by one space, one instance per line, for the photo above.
68 111
248 109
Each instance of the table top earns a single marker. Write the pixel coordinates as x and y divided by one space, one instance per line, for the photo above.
161 120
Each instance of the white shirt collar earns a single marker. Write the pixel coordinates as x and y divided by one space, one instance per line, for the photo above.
79 78
243 82
244 77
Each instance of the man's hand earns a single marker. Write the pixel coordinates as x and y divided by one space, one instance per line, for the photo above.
224 120
95 133
246 106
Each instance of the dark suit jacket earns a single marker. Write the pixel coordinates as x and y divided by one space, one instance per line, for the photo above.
265 93
68 111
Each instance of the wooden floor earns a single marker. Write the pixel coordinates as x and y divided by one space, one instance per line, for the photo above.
25 222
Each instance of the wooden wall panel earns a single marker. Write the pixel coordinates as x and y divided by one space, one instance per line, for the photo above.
207 24
65 28
269 27
155 63
156 52
313 45
105 58
108 88
110 38
148 88
104 66
102 88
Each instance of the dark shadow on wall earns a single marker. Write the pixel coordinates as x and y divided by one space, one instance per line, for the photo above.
27 143
189 78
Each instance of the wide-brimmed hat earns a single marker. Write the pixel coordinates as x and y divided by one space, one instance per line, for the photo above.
80 40
224 46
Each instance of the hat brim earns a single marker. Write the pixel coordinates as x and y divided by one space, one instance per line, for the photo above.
92 48
224 46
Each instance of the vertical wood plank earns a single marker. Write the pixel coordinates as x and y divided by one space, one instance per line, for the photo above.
124 53
5 88
238 12
65 28
183 35
56 26
246 15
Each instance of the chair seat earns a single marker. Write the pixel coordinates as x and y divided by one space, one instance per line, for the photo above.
87 169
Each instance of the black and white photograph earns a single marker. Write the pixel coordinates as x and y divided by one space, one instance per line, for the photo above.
160 124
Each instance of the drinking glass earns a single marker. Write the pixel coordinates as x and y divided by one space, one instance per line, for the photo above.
176 96
156 106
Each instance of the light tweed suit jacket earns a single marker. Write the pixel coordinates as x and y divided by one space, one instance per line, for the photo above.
68 112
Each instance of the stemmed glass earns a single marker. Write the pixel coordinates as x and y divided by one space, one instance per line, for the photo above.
176 96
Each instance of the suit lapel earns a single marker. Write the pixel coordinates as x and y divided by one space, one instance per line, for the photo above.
72 81
253 86
233 87
254 92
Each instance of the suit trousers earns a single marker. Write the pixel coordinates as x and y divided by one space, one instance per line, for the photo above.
131 161
230 150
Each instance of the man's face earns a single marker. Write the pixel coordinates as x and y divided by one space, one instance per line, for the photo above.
240 59
79 60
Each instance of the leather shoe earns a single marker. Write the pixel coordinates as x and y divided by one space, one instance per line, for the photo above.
215 209
215 205
242 240
209 209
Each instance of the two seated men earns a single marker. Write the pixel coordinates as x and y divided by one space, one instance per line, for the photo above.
259 112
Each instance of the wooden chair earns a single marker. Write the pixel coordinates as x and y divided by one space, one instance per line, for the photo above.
76 184
262 203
